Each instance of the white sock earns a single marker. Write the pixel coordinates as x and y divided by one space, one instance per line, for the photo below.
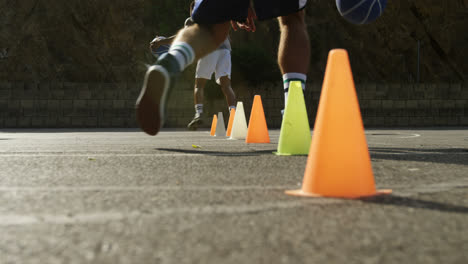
183 53
288 78
198 109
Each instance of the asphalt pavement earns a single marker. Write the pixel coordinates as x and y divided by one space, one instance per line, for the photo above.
120 196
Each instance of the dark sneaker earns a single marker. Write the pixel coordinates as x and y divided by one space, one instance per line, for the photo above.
195 123
151 103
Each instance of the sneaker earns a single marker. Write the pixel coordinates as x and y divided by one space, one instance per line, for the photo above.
196 121
151 103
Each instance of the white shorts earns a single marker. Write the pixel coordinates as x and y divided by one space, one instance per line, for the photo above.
219 62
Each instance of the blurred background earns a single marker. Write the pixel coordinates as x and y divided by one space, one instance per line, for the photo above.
81 63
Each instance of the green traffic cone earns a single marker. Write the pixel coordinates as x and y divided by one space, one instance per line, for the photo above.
295 135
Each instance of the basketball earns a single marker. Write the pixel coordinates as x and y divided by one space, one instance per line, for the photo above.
361 11
161 49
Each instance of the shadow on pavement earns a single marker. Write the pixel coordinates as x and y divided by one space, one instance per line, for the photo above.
219 153
416 203
443 155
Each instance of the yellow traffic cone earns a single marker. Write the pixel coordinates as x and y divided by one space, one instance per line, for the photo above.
295 130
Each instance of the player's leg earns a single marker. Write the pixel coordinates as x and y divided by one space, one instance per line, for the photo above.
228 92
294 47
212 24
294 50
198 101
223 76
197 41
205 68
198 95
212 27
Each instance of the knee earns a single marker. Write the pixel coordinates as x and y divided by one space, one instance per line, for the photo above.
225 83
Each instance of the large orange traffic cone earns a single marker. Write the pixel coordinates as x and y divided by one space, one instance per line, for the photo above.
231 120
213 125
339 163
257 131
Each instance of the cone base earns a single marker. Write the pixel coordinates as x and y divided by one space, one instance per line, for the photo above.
300 192
289 154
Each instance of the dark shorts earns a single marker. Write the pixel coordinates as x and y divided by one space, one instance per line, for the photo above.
219 11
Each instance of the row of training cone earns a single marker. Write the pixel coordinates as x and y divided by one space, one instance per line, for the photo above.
295 131
338 164
256 132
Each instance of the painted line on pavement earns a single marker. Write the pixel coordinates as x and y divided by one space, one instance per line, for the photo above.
393 135
110 155
139 188
398 152
102 217
411 136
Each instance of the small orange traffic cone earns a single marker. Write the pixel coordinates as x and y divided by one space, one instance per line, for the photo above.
231 120
339 163
257 131
213 125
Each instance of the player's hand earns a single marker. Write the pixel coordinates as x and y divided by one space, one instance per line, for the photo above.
155 44
249 24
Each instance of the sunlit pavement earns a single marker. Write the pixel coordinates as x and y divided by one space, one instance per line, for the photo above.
119 196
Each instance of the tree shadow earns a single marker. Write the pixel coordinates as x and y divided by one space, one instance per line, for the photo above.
444 155
415 203
219 153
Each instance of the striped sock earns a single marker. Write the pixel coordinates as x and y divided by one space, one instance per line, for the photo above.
289 77
183 53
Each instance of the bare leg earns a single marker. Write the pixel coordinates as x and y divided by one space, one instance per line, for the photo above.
204 38
151 102
198 90
225 83
294 47
198 100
